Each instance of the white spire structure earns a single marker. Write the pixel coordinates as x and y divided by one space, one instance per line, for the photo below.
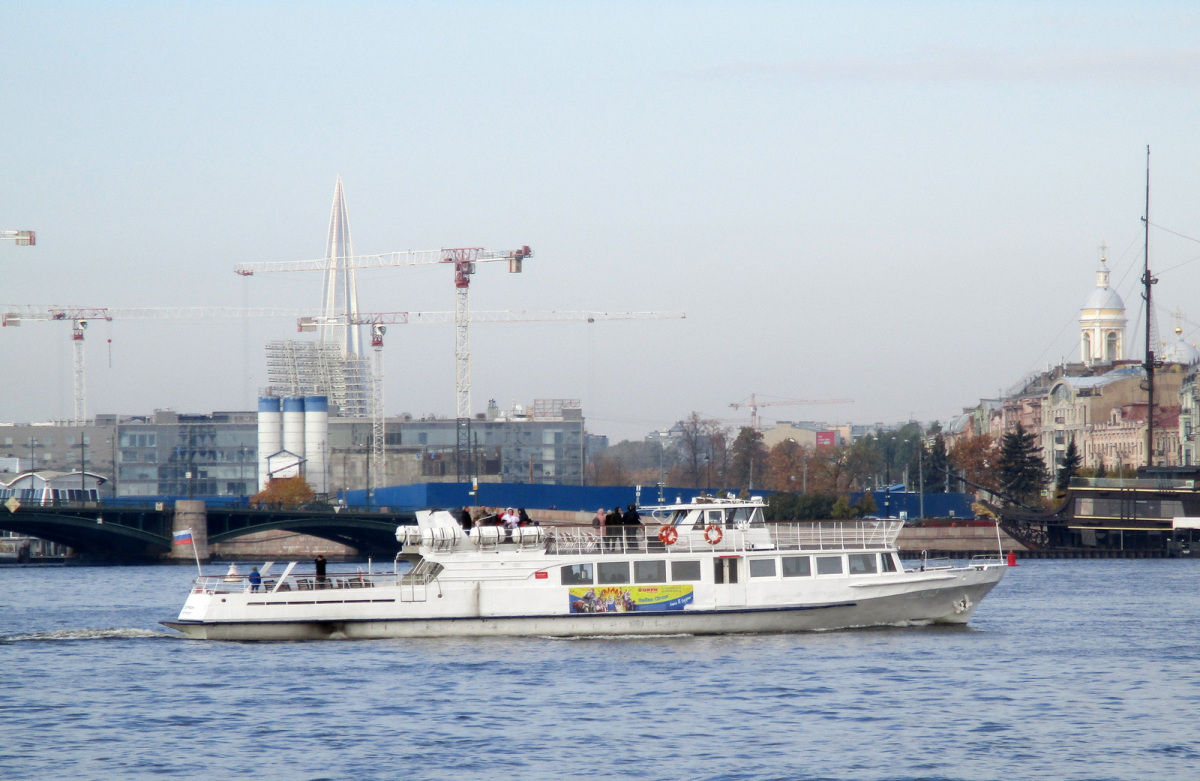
339 299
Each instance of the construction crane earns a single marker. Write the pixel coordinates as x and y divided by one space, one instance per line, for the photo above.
754 404
380 320
80 316
463 259
22 238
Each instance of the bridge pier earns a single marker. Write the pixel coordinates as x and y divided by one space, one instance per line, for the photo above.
190 514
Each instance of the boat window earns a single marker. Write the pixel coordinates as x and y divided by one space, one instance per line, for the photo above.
613 572
797 566
762 568
715 516
829 565
862 563
740 517
685 570
889 564
650 571
576 575
725 570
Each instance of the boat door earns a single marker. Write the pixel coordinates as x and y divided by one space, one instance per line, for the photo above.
729 581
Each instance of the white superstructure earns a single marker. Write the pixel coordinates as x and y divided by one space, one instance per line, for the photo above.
704 568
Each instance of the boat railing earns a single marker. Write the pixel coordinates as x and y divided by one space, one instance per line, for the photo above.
816 536
236 583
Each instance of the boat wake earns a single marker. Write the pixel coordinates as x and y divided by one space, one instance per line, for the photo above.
84 634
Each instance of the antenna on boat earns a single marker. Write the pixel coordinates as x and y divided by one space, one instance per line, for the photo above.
1147 282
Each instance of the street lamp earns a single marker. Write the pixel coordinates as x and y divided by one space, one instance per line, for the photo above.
921 476
662 437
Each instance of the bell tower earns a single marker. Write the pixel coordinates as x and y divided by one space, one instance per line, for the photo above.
1102 321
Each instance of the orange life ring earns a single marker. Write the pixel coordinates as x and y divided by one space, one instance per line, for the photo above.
713 534
667 535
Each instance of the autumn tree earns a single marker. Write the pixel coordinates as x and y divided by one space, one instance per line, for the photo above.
748 461
284 492
787 465
703 452
631 462
976 459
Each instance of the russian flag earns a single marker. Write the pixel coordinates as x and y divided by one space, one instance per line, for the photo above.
183 537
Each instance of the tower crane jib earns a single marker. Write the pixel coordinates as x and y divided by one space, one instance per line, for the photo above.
754 404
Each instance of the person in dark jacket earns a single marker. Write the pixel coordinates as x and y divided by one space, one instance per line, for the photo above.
633 526
465 520
613 529
320 563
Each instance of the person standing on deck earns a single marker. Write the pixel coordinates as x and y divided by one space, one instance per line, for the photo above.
613 531
320 563
633 527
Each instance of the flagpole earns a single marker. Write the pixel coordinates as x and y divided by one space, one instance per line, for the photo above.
196 553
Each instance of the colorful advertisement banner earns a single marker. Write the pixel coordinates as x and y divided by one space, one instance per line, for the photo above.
627 599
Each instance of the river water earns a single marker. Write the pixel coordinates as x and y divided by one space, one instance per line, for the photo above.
1070 670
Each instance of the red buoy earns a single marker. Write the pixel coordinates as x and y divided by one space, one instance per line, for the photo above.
1012 558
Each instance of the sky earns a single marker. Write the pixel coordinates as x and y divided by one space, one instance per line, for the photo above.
896 203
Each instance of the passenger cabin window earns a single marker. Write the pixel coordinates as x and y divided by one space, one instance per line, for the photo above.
650 572
829 565
685 570
576 575
797 566
862 563
762 568
889 564
613 572
725 570
741 517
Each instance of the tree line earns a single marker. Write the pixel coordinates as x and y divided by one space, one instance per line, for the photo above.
704 454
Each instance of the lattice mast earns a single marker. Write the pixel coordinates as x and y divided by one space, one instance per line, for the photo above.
77 329
1148 282
377 463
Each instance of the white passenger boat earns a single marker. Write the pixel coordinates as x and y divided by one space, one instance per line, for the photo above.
709 567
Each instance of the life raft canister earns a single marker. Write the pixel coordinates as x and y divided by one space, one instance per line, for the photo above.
667 535
713 534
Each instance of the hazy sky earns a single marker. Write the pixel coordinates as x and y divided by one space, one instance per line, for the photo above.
899 203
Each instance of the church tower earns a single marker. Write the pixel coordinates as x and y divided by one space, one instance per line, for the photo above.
1102 322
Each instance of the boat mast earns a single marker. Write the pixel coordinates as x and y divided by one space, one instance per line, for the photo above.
1147 283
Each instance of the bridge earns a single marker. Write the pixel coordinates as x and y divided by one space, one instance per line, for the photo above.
122 533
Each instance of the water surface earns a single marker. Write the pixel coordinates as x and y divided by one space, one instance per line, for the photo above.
1070 670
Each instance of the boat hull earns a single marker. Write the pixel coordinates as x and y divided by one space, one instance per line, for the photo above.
950 599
